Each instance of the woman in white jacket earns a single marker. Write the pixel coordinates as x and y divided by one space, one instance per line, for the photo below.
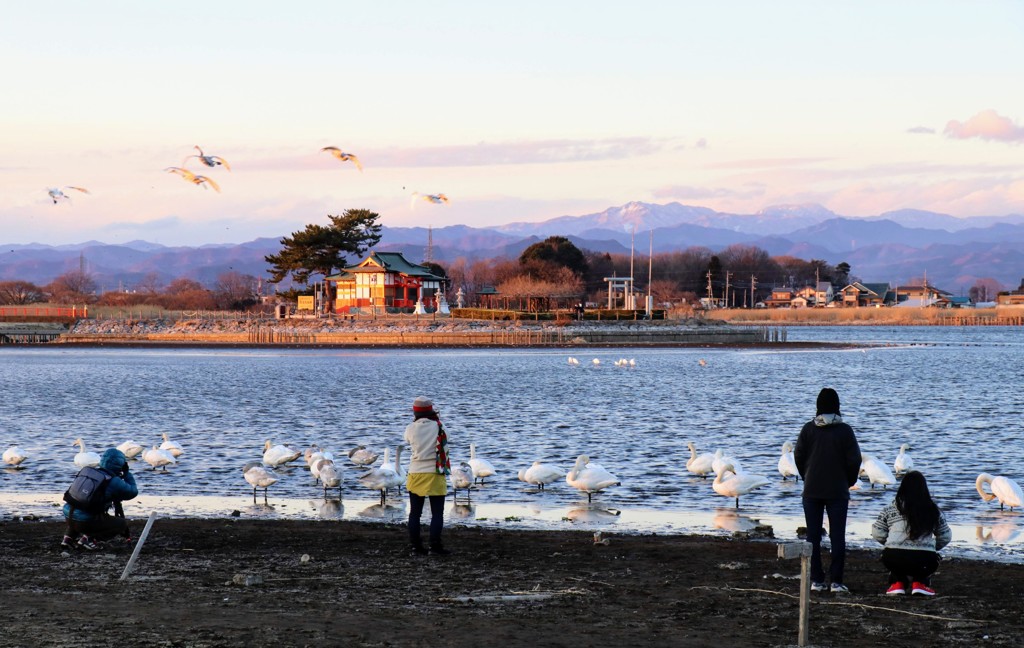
428 471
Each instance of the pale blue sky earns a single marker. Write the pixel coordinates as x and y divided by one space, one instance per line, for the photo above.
516 112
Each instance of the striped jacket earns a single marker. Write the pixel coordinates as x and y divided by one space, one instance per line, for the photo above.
890 529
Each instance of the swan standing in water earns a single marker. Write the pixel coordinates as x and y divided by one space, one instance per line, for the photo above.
904 463
396 466
1004 489
278 455
722 460
787 464
381 479
14 456
461 478
360 456
876 471
330 476
170 446
540 474
158 458
589 477
85 459
699 464
259 476
131 449
481 467
738 484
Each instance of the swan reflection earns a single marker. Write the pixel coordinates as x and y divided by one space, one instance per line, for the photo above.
386 512
462 511
332 508
998 533
594 514
730 520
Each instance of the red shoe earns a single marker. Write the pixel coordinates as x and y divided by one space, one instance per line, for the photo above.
922 589
896 588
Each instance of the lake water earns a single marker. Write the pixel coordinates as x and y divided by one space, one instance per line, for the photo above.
953 394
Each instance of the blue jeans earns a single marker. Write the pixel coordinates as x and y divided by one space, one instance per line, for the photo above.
814 514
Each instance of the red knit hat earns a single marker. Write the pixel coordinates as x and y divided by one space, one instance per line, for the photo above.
423 404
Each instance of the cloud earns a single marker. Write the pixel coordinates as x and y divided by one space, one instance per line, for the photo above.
478 155
768 163
683 192
921 130
986 125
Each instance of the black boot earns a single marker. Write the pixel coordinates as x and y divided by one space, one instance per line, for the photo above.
436 547
418 548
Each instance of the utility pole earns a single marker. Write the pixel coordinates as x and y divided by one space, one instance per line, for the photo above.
711 294
726 295
428 254
753 285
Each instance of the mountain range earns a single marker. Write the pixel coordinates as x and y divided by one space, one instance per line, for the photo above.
896 246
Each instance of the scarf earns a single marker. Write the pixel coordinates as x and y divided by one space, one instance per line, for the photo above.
821 420
442 466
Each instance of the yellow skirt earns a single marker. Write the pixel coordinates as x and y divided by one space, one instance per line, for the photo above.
426 484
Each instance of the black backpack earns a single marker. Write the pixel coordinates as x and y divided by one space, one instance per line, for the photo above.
87 490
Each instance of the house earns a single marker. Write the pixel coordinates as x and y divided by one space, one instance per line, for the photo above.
781 298
918 296
799 302
384 280
823 294
860 294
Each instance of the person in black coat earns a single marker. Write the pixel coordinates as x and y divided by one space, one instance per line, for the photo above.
828 457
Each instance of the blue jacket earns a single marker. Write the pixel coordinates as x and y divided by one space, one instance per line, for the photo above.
119 487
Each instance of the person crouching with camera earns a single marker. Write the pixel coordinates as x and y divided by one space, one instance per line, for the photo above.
92 495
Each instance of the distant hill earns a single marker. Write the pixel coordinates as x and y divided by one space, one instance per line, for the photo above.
895 246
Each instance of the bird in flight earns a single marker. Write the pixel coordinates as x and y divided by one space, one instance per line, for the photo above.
209 160
437 199
58 194
193 178
343 156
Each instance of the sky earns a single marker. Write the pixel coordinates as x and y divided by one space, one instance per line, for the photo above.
516 112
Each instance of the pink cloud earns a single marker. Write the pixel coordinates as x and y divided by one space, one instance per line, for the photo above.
921 130
682 192
987 125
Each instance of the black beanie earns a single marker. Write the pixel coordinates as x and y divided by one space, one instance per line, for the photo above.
828 401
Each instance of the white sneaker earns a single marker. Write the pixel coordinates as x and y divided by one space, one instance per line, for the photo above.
818 587
839 588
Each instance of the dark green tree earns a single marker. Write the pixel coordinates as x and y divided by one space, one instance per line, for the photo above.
842 275
558 251
322 249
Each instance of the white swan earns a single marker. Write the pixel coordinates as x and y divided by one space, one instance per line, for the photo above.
1004 489
573 361
396 466
278 455
722 460
876 471
787 464
738 484
14 456
596 362
589 477
158 458
330 476
481 467
360 456
540 474
699 464
461 477
171 446
904 463
343 156
131 449
314 452
259 476
381 479
85 459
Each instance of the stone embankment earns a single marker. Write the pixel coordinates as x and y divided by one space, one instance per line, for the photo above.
424 331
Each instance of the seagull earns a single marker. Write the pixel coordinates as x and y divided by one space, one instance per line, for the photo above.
343 156
209 160
437 199
193 178
57 194
259 476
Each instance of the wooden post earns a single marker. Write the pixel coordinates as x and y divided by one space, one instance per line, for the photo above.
803 551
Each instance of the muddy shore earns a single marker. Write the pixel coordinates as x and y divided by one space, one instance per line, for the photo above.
237 582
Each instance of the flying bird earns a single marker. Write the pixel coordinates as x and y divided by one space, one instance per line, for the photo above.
193 178
343 156
437 199
58 194
209 160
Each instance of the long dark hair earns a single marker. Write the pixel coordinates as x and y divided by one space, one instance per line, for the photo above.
915 504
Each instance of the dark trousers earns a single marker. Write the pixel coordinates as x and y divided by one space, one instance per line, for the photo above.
814 515
904 564
436 517
101 527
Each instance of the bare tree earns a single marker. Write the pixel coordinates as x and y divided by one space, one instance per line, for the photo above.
20 292
984 290
235 291
73 287
149 284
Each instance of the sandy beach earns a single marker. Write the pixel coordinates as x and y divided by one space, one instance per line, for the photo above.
238 582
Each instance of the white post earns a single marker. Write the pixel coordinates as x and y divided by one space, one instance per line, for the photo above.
803 551
138 546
